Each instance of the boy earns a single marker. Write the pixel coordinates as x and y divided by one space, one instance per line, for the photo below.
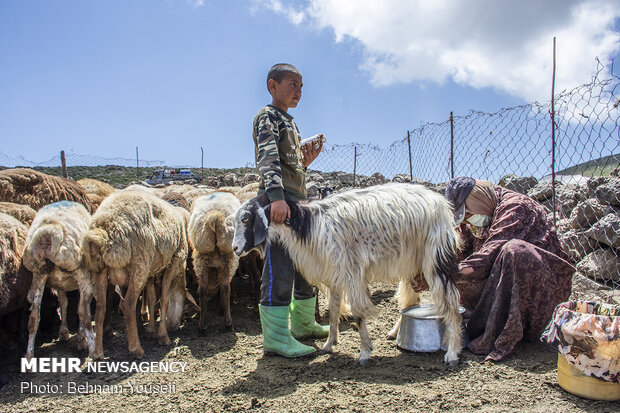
281 163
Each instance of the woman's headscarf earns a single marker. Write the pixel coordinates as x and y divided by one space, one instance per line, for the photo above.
482 199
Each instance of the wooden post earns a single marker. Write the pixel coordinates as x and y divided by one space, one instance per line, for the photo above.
553 136
63 164
137 166
410 165
202 165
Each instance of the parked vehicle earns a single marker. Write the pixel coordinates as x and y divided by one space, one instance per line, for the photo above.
166 175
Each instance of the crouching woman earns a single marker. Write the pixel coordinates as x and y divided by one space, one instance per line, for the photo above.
512 271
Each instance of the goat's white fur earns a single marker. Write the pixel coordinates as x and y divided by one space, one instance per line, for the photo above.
392 232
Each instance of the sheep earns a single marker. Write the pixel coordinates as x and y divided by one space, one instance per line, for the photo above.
96 190
23 213
342 243
133 238
15 279
54 256
210 232
36 189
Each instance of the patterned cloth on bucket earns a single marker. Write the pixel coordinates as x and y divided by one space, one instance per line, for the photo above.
588 336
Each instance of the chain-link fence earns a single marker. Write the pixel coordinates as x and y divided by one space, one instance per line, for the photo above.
571 172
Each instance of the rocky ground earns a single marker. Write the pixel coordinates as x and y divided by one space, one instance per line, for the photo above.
226 371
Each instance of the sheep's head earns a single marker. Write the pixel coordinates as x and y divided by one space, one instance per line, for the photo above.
251 225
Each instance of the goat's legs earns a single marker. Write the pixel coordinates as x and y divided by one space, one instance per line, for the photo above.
407 297
446 301
63 331
35 295
366 347
335 300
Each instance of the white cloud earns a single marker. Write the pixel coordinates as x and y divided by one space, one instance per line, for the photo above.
506 45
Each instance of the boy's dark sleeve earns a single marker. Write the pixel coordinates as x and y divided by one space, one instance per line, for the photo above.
268 156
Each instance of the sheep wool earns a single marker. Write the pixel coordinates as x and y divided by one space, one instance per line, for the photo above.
36 189
210 231
23 213
134 238
53 254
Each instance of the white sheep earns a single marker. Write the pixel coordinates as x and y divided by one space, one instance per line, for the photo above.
346 241
133 238
210 232
54 256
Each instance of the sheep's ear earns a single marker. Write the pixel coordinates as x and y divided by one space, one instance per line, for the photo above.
261 225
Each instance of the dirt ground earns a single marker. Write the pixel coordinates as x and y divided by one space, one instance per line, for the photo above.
226 371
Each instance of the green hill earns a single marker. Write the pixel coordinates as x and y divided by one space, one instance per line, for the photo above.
596 167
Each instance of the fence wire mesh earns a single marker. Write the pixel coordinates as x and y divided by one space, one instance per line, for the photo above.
512 147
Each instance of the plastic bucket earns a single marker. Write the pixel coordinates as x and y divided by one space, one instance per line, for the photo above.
571 379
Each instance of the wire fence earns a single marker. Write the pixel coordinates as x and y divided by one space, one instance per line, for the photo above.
513 147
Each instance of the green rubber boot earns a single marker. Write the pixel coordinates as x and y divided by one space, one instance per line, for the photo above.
302 320
277 337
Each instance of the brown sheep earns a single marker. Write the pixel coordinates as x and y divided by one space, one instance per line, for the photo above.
133 238
15 279
36 189
96 190
23 213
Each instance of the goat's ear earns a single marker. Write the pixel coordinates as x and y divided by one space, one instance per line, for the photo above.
261 225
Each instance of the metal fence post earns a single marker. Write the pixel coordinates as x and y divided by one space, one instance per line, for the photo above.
451 146
137 166
354 163
553 137
410 165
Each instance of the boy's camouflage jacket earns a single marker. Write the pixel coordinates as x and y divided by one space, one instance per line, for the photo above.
278 155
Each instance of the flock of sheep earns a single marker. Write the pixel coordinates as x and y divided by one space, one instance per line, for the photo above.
138 241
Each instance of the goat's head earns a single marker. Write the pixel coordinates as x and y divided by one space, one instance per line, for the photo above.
251 225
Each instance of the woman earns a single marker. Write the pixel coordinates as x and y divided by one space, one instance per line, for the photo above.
512 271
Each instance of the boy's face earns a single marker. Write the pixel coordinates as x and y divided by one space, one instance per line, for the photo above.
287 93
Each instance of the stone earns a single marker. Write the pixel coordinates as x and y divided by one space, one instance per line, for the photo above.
601 265
517 183
229 180
315 177
606 230
542 191
312 190
248 178
401 178
586 214
609 193
212 181
577 244
594 183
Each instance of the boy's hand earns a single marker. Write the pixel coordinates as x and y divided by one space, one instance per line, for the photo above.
279 212
310 151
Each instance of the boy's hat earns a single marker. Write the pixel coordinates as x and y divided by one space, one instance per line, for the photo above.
457 191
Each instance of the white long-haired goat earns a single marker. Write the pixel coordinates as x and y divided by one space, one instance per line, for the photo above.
344 242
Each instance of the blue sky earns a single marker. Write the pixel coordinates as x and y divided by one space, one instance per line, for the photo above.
170 76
